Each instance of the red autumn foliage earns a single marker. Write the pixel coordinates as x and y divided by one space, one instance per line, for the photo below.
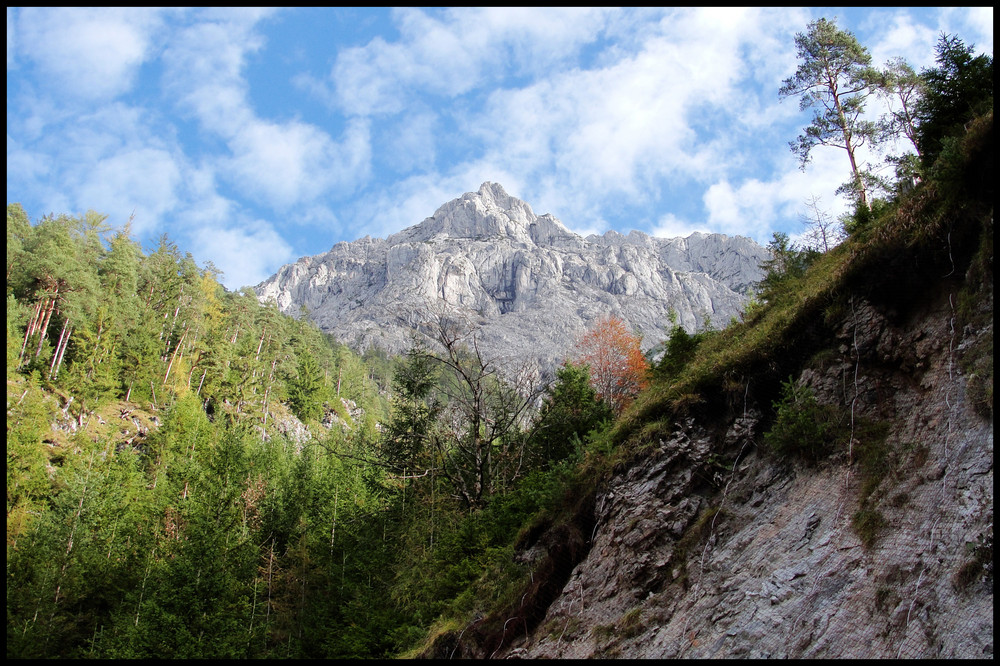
618 370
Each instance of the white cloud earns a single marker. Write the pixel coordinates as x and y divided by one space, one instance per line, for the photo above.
281 164
93 53
904 38
671 226
203 65
107 160
755 207
673 105
144 180
603 130
978 22
622 128
247 255
974 25
24 165
455 53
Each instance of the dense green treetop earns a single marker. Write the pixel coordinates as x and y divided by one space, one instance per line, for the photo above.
956 91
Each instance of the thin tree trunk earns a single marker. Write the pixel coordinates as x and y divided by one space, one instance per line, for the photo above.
173 357
30 330
260 344
270 569
45 326
72 534
55 353
850 148
61 349
333 528
142 591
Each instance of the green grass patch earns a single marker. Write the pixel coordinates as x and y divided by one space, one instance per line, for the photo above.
977 364
631 624
868 523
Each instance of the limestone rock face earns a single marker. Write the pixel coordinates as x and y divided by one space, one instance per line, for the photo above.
707 546
528 285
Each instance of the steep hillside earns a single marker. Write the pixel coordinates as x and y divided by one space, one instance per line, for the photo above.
528 284
816 483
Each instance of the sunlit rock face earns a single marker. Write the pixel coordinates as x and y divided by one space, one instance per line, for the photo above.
528 285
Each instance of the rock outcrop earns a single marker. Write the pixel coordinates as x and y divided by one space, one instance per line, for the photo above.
527 284
709 547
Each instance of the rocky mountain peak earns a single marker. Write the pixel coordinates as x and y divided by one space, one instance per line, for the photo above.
492 196
528 284
487 213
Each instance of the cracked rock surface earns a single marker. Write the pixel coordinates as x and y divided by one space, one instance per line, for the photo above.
528 285
759 558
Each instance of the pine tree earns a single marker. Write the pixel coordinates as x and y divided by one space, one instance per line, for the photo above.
957 90
835 77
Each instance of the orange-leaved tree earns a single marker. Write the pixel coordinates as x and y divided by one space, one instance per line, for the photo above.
618 370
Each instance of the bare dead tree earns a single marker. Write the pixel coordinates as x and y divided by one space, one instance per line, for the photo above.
823 231
479 439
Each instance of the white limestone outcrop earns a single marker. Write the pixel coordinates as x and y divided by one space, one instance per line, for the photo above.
529 284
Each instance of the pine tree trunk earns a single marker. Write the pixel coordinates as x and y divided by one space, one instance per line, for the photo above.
260 344
30 330
60 349
45 326
174 356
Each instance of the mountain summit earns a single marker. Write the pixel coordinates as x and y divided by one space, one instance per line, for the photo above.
490 212
528 284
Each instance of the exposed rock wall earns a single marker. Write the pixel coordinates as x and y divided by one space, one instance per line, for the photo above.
710 547
529 285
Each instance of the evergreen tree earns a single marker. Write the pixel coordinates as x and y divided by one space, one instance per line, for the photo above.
679 349
407 438
306 392
834 76
570 411
786 263
957 90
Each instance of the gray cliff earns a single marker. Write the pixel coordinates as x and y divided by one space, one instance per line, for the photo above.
776 568
527 284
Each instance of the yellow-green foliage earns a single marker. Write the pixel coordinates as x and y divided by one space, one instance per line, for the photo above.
977 363
631 624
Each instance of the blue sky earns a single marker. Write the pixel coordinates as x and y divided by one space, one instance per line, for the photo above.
253 137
